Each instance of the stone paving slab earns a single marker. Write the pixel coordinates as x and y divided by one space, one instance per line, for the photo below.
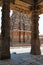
23 59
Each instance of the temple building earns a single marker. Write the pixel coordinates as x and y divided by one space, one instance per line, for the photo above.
24 20
20 27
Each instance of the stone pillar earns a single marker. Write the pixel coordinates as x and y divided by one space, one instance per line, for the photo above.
5 44
19 32
24 32
35 42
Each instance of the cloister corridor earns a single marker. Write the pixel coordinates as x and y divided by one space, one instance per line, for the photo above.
21 32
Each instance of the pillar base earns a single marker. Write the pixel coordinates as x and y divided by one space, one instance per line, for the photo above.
35 50
4 57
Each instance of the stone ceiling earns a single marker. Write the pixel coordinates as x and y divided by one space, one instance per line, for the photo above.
24 5
31 1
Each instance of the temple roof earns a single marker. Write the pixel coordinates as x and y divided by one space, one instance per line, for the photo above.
25 5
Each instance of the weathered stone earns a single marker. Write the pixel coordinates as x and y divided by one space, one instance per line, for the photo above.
35 43
5 40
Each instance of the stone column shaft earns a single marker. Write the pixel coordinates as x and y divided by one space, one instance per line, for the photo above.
5 44
35 42
19 32
23 32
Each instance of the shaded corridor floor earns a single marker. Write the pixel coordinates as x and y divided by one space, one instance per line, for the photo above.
23 59
22 56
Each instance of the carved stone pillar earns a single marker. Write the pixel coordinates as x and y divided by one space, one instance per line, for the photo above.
5 44
35 42
24 32
19 32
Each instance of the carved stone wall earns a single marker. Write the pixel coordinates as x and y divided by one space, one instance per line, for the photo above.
20 25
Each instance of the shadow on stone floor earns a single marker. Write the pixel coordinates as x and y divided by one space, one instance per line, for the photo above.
23 59
27 58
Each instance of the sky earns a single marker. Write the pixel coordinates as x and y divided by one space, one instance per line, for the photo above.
40 22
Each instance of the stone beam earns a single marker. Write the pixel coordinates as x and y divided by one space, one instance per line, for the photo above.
21 6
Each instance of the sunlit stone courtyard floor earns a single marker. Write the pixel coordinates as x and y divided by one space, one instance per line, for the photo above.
22 56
